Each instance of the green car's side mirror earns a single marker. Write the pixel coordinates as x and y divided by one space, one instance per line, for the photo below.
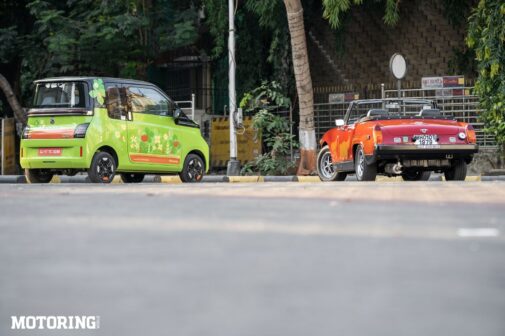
177 113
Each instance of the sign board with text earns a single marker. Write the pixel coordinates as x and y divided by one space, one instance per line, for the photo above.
435 83
249 142
335 98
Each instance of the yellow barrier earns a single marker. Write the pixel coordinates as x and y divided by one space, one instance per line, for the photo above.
308 179
245 179
175 179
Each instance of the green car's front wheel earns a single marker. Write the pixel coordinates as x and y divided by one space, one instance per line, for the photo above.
103 168
193 170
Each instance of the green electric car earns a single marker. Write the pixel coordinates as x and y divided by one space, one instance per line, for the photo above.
109 126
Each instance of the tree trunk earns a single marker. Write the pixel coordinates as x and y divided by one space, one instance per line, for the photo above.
307 133
19 113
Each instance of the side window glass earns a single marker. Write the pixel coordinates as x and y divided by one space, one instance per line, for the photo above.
114 101
149 101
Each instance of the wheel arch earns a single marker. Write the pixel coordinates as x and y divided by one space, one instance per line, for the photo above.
354 149
110 150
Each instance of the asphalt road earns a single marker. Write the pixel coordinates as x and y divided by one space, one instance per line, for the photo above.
257 259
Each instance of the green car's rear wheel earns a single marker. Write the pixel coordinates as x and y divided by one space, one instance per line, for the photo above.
193 170
38 175
103 168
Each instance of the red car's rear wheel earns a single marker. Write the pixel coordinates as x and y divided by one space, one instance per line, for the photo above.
457 172
364 171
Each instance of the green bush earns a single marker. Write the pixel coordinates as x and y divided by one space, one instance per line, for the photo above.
274 129
486 35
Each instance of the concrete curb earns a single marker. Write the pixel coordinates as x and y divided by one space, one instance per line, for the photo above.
175 179
215 179
74 179
495 172
13 179
280 179
492 178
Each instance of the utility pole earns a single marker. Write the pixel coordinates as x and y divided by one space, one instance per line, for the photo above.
233 168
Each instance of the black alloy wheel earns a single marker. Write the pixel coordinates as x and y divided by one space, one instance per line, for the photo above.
103 168
193 169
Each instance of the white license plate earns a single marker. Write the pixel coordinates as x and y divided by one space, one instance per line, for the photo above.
425 140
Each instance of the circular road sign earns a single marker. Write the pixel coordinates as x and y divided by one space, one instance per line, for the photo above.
398 66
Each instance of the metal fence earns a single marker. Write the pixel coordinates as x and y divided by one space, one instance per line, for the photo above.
459 103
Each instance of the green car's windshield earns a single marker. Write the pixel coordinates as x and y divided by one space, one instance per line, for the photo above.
60 95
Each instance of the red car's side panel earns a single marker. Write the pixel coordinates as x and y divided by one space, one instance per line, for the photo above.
331 138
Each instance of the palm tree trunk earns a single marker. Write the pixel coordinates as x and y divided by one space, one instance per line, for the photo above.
307 133
19 113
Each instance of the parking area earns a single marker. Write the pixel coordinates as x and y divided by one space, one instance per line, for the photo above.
235 258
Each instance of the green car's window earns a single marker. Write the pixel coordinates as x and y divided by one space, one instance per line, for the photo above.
60 95
149 101
115 98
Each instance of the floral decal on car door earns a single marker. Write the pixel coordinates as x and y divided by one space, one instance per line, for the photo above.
98 91
162 147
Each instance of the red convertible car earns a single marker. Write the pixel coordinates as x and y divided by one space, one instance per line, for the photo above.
396 137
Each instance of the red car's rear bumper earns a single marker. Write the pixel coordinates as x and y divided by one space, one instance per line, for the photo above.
385 152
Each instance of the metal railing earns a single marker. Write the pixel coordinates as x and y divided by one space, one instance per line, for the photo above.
188 106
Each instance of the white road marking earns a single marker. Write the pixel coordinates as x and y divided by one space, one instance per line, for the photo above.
480 232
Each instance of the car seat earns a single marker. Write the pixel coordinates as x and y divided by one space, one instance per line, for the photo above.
430 113
376 113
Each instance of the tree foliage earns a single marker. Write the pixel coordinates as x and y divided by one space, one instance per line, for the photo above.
486 35
263 46
333 9
113 37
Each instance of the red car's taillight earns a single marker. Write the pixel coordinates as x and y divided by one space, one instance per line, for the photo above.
377 134
470 134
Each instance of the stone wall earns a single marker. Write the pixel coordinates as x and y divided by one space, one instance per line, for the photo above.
423 35
486 160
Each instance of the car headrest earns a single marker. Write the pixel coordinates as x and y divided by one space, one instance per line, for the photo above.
429 113
376 112
49 100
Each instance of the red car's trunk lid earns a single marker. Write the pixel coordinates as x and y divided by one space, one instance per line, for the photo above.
417 128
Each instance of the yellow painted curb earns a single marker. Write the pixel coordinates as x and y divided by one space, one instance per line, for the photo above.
308 179
473 178
175 179
388 179
117 180
55 179
245 179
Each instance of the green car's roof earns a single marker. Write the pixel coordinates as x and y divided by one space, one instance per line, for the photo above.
90 78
